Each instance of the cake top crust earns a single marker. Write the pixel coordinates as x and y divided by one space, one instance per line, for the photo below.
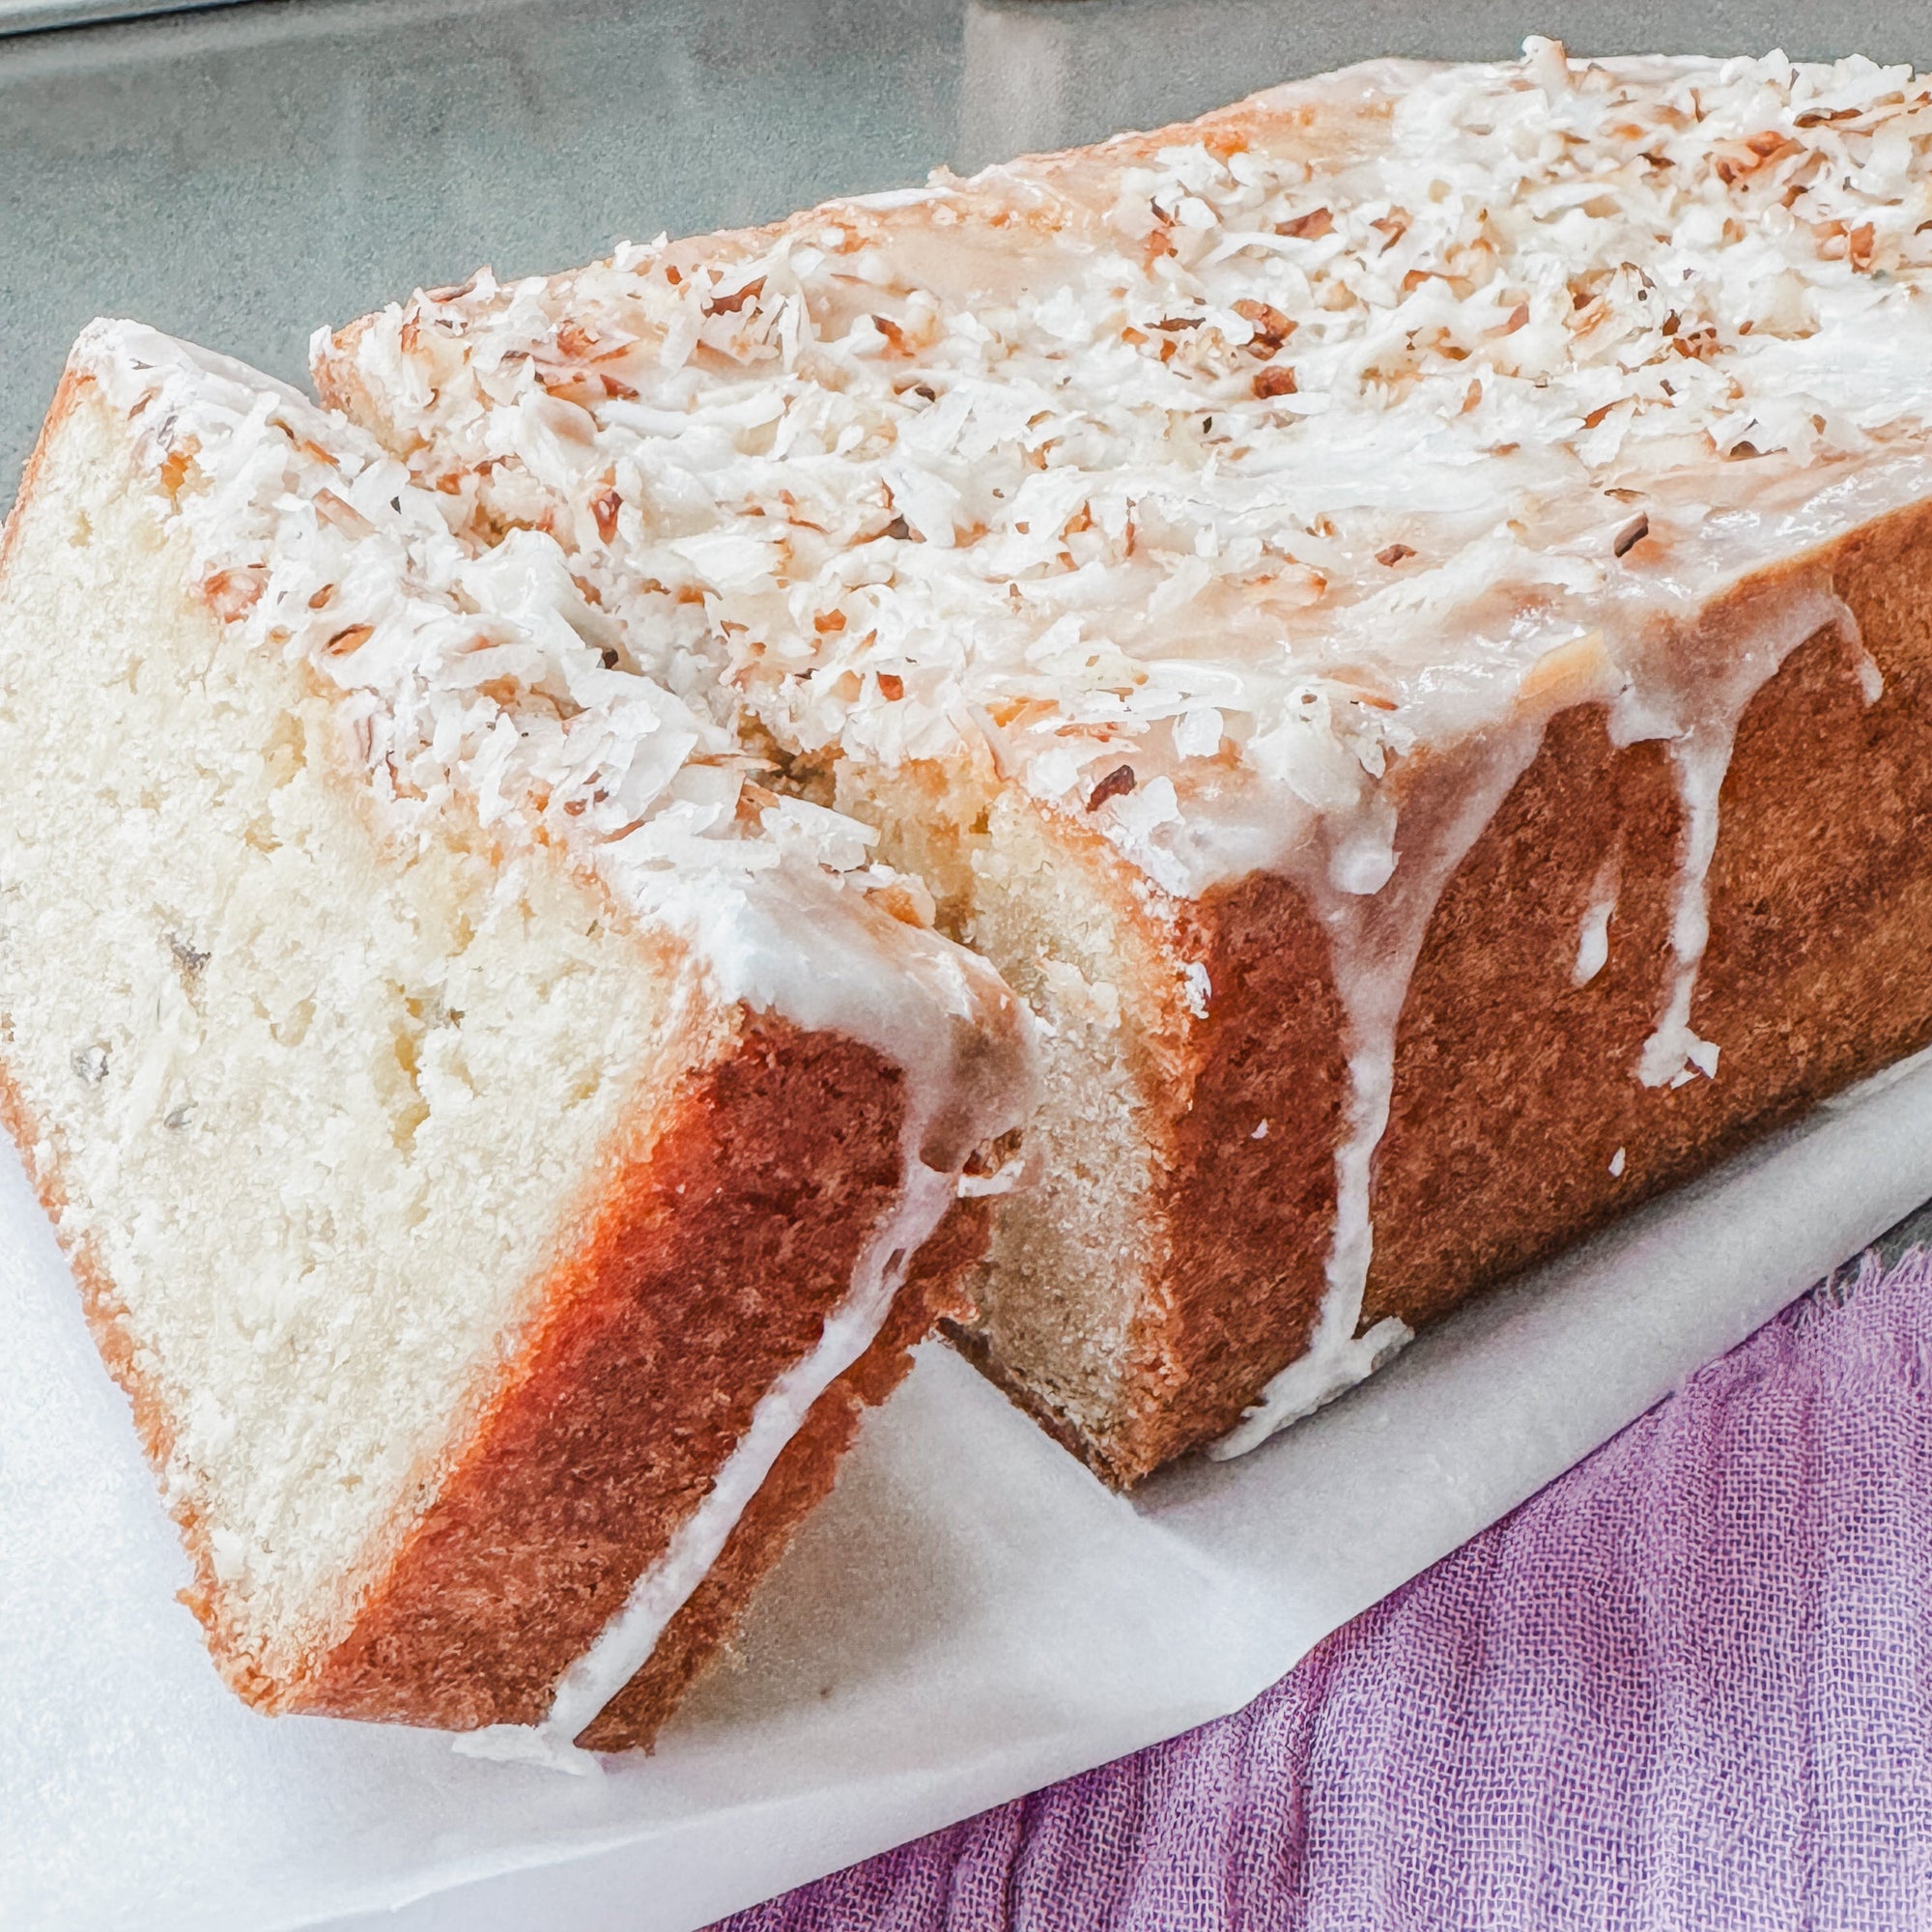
494 679
1202 478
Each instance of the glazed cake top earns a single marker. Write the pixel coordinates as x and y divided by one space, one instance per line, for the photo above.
1201 476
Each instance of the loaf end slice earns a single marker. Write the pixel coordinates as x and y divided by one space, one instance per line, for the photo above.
477 1257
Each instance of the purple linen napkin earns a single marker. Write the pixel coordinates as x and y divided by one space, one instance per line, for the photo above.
1689 1684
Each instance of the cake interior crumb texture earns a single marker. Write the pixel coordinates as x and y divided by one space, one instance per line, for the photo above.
1075 1252
322 1111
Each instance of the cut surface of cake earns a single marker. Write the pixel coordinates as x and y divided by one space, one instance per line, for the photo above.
1394 615
500 1154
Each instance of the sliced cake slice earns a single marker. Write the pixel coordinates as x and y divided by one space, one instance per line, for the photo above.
1395 613
499 1152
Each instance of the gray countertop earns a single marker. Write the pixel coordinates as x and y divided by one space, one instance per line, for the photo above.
242 175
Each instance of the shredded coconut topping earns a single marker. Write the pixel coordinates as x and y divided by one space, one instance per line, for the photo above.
1263 455
493 675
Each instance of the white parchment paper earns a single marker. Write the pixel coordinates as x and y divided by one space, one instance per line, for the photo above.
971 1616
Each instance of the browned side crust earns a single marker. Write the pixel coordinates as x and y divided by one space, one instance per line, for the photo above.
562 1489
1514 1088
800 1480
710 1269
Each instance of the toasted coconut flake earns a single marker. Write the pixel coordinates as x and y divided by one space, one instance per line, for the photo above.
738 298
1309 227
1272 328
1115 784
342 514
177 464
235 591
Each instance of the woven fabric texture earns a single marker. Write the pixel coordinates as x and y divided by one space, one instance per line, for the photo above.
1687 1685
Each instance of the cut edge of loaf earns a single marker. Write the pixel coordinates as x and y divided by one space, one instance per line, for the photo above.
1077 1254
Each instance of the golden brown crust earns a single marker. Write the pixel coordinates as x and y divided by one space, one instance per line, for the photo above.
1244 1221
710 1269
1514 1088
800 1480
1820 893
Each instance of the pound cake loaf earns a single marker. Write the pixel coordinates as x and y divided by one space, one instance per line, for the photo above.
1394 615
500 1147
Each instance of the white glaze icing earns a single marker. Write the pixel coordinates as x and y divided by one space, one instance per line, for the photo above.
1387 412
1593 935
494 679
628 1641
1017 370
1701 736
1376 939
1376 935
